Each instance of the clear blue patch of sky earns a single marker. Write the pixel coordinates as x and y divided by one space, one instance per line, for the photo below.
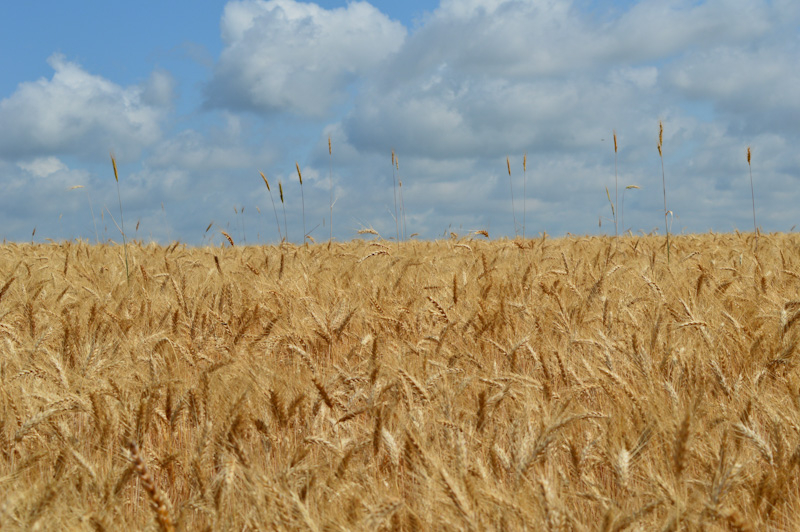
122 41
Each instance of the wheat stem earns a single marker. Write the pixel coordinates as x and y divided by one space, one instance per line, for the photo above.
285 227
122 220
159 503
302 196
753 196
394 185
616 185
524 190
277 223
511 185
663 180
330 183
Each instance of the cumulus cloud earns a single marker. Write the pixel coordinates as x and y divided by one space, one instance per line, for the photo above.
43 166
473 82
758 90
283 55
235 144
191 150
480 79
159 89
36 193
487 74
79 113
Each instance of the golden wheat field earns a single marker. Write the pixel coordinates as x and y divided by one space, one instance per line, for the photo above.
550 384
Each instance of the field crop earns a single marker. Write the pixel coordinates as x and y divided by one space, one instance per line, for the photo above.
567 384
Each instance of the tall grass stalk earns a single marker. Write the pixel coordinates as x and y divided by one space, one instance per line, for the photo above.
616 185
283 204
622 207
511 185
400 189
121 219
330 183
663 180
753 196
206 233
91 209
394 185
613 212
524 190
240 214
277 223
302 196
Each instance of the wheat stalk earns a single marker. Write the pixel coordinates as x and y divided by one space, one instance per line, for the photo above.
158 502
300 177
524 190
94 221
121 219
663 180
400 188
330 183
394 188
622 206
273 205
240 214
511 185
285 227
616 186
753 196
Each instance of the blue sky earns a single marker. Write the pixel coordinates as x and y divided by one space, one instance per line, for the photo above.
195 98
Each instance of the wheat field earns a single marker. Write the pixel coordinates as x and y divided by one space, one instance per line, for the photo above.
464 384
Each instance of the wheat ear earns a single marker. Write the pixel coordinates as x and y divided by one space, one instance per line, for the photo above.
285 227
158 503
753 196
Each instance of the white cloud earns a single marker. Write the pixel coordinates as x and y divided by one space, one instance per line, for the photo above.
36 193
759 87
191 150
283 55
489 75
654 29
475 81
159 89
43 166
484 78
78 113
236 144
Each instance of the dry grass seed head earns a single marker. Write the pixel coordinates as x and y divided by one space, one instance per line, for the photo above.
159 504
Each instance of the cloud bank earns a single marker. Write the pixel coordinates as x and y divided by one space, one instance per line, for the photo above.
82 114
471 83
283 55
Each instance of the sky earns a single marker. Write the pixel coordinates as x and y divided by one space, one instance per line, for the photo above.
195 99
